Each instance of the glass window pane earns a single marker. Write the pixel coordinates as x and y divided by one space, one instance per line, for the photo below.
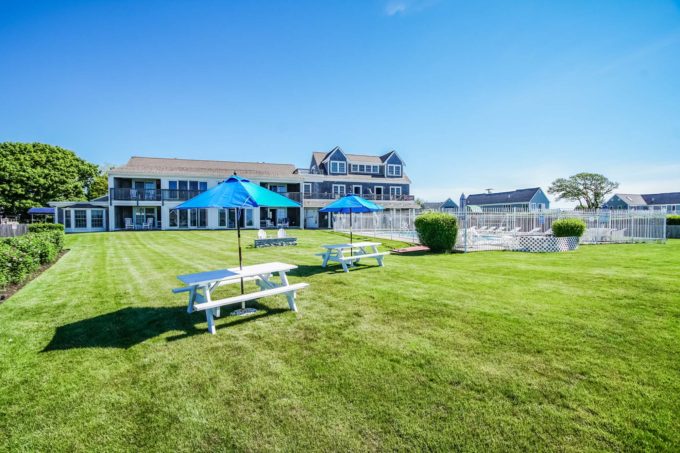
222 218
183 218
173 218
67 218
182 185
193 185
172 185
97 218
203 185
194 217
81 218
202 218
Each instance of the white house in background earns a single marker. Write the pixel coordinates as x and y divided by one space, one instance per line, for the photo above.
144 193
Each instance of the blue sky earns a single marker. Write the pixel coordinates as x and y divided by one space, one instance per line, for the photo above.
471 94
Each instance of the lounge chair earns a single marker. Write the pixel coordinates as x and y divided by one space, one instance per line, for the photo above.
128 224
148 224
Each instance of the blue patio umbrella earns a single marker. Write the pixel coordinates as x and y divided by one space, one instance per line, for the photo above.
349 204
238 193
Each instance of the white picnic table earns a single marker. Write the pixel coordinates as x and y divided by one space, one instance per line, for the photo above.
201 285
357 251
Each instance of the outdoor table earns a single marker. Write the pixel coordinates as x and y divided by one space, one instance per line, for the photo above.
201 285
357 250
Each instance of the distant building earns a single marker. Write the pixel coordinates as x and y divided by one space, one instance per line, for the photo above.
661 201
520 199
448 206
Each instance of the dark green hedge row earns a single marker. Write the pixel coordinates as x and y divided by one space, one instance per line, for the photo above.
568 227
22 255
673 220
40 227
437 231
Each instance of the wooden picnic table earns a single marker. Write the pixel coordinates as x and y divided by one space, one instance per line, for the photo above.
201 285
358 251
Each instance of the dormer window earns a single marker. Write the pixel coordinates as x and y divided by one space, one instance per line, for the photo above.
393 170
338 166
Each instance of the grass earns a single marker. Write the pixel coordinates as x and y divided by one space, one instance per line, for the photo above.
495 350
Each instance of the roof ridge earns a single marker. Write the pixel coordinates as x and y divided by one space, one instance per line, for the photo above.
208 160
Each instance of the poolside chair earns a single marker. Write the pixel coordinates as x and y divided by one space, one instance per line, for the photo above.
128 224
148 224
261 234
534 230
515 230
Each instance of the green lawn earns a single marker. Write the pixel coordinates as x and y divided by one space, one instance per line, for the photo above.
494 350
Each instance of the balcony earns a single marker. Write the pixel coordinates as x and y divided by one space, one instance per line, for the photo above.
367 196
152 194
179 194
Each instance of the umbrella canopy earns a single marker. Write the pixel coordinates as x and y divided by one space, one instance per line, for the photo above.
349 204
238 193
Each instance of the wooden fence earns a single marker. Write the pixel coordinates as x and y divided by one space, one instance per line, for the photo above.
8 230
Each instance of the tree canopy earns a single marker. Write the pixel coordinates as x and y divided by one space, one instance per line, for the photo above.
32 174
588 189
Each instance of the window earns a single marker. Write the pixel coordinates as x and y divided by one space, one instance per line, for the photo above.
67 218
202 218
97 218
393 170
355 168
339 190
202 186
375 169
307 188
362 168
356 190
173 218
183 218
395 191
81 218
338 166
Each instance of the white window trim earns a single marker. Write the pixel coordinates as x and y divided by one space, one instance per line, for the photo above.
340 164
339 192
304 187
392 170
395 190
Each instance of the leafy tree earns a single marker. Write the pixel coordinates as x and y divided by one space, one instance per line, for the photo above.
100 184
588 189
32 174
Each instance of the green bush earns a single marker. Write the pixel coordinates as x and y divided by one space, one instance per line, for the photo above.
568 227
437 231
673 220
41 227
21 256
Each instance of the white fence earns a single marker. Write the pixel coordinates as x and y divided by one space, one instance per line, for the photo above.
502 230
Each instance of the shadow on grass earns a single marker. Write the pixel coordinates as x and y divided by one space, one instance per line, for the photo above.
304 270
133 325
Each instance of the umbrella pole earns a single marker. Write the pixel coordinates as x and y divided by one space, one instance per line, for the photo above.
351 250
240 255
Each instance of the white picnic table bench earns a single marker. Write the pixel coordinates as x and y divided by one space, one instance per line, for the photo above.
201 285
357 251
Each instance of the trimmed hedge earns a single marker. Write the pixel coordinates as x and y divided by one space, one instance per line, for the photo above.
437 231
41 227
23 255
673 220
563 228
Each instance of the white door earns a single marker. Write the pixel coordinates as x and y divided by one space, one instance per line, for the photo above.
311 218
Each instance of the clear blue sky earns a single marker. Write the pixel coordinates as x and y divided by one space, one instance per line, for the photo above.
472 95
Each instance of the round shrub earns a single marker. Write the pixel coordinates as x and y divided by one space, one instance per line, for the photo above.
563 228
437 231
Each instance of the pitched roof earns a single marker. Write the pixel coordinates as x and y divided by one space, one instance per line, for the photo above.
320 157
206 168
447 204
515 196
632 199
662 198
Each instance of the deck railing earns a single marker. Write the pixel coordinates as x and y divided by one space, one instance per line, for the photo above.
367 196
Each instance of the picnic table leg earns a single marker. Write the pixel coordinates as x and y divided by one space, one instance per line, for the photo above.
379 258
325 258
211 321
290 296
192 299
